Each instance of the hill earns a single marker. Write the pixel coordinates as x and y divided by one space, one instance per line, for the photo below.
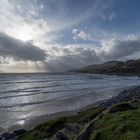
130 67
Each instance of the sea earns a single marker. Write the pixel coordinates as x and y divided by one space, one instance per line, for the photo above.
26 97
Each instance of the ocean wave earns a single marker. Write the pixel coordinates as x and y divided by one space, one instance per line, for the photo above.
42 92
39 81
41 102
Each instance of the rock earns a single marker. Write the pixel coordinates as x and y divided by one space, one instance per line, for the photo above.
60 136
127 95
68 132
12 136
20 132
7 136
121 107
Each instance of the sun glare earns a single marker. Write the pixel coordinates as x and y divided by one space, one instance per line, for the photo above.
24 36
25 33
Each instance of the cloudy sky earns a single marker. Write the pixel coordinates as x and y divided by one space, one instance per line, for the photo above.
59 35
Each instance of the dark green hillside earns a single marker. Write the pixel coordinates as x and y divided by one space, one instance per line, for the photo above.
130 67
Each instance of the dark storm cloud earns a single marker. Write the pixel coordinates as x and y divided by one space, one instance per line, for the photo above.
73 57
115 48
19 50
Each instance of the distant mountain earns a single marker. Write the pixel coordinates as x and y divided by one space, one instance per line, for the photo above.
130 67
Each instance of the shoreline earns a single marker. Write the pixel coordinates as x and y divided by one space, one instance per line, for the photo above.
34 122
130 94
110 74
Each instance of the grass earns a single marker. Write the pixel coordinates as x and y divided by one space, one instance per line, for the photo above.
44 130
121 122
121 107
49 128
118 126
85 116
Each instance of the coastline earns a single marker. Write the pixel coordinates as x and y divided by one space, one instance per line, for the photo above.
125 96
32 123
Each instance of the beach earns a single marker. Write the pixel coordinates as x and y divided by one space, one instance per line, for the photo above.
83 118
26 97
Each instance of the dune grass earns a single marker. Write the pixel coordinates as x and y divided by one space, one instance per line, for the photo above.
121 125
49 128
121 122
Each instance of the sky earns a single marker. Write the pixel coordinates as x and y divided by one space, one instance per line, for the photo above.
60 35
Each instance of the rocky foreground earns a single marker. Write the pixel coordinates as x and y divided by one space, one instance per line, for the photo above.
115 119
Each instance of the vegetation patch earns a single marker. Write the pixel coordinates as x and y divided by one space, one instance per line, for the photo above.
118 126
121 122
50 128
121 107
47 129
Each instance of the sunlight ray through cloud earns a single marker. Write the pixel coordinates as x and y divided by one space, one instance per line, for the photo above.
47 24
